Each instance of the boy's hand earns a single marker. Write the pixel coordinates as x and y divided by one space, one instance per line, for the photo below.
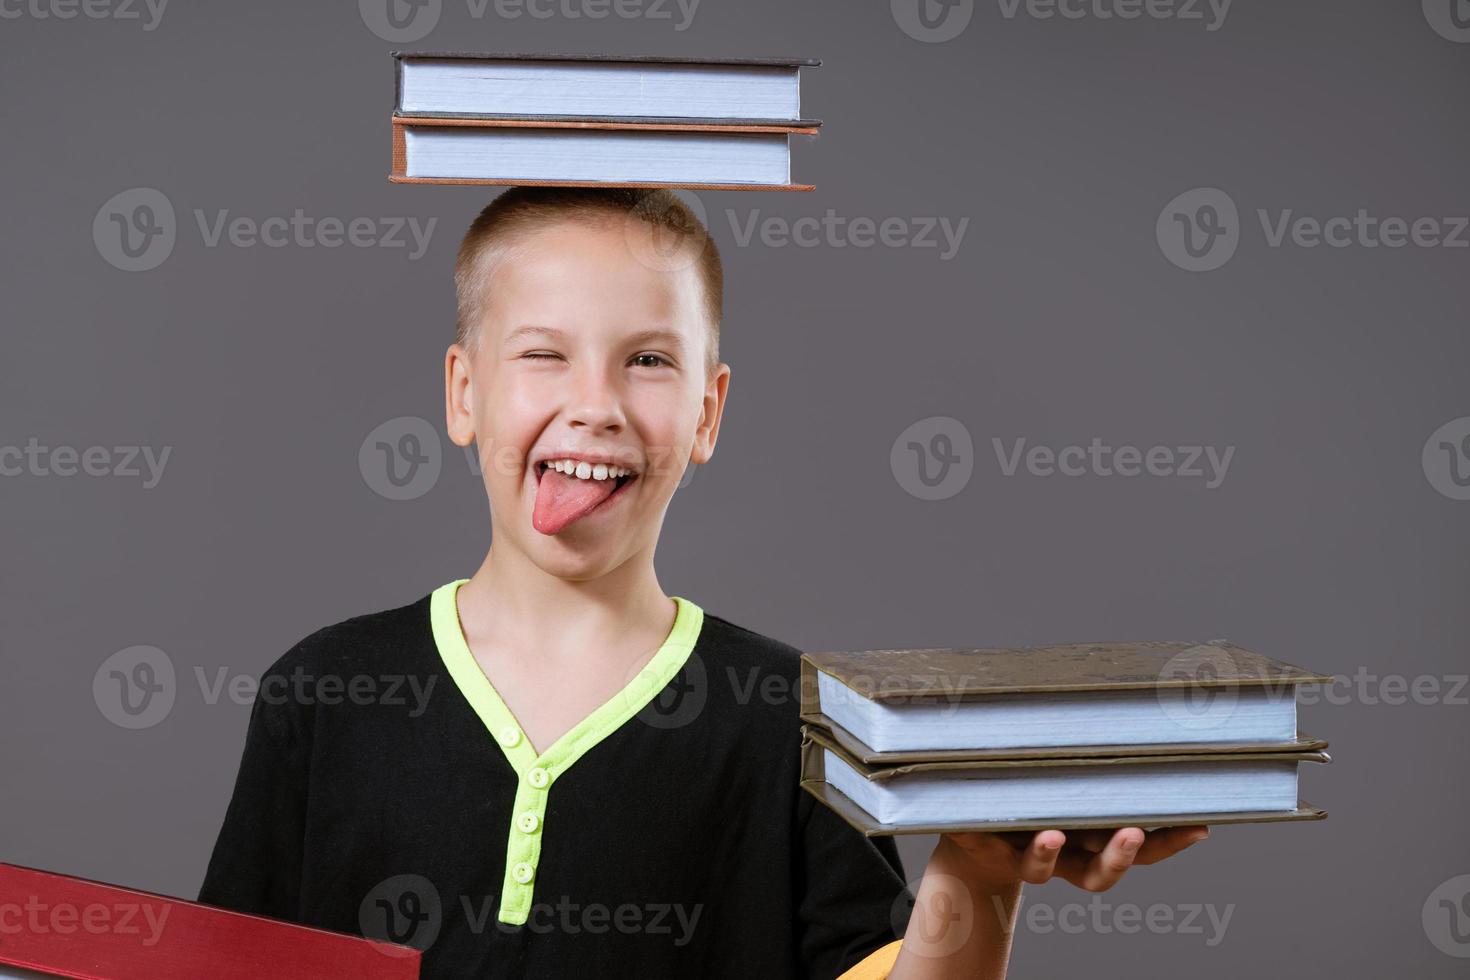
963 915
1093 860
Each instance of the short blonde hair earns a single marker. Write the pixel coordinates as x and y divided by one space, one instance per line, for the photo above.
492 235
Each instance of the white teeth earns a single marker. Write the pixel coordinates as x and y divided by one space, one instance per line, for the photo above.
584 470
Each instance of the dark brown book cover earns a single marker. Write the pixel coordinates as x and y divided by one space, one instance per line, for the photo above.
813 780
934 674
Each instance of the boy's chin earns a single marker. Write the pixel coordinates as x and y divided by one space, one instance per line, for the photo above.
576 557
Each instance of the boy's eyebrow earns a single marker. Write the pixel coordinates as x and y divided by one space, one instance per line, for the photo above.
668 338
530 329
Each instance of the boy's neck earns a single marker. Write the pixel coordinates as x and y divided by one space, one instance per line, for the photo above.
526 601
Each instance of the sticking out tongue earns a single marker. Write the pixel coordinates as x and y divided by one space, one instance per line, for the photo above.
562 499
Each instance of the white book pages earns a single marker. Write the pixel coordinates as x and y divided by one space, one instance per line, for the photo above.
601 89
1230 714
612 156
1063 792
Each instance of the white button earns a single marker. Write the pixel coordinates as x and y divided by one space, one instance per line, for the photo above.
538 777
522 872
510 736
528 822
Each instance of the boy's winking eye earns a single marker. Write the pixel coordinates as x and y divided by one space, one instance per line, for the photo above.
533 342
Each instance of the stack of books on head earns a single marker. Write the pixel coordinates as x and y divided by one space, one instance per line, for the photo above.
597 120
1079 736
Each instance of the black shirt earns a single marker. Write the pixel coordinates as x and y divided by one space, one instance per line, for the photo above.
385 790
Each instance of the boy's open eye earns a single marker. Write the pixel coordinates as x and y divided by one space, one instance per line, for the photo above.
649 360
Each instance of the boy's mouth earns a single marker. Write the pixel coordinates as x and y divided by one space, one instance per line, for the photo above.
569 489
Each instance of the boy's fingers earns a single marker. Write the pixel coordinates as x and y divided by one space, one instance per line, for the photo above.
1039 861
1107 868
1090 840
1169 841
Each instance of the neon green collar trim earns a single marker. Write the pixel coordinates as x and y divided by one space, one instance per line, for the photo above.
537 773
602 722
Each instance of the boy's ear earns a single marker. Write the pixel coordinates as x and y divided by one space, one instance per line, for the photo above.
713 410
459 416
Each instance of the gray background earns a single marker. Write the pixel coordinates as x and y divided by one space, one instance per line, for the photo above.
1060 319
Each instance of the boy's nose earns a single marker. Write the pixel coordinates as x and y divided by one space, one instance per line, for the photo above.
596 407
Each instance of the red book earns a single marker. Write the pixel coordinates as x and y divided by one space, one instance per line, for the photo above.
62 926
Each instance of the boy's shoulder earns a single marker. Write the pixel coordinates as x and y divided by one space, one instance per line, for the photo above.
736 642
754 676
392 637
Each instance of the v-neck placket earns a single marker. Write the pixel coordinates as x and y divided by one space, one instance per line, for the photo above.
536 773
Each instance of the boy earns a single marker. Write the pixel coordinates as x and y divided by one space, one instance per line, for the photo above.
593 780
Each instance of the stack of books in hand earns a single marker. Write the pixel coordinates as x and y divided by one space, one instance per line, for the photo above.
1080 736
599 120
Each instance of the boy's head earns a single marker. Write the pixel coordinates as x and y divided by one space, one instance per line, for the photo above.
586 342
